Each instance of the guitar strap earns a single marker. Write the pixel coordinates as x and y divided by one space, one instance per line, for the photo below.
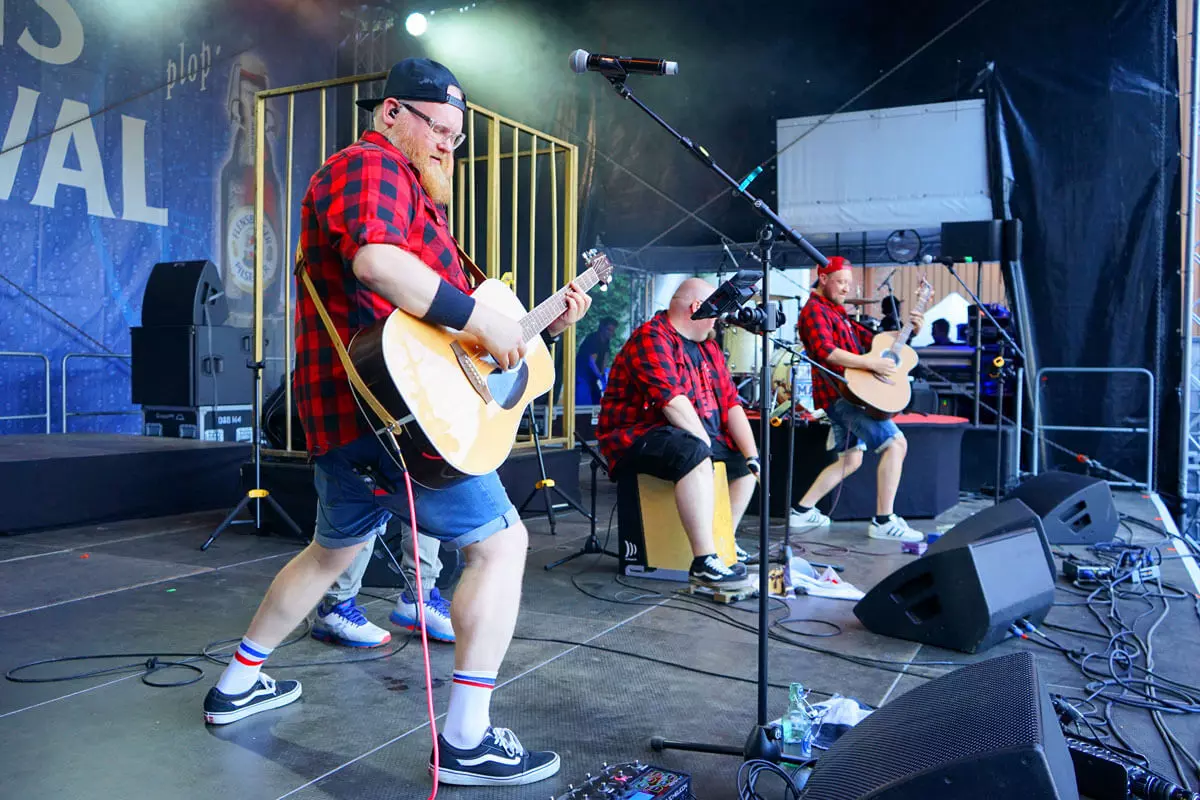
389 422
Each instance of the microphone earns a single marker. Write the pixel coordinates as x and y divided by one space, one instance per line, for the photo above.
582 61
948 261
884 282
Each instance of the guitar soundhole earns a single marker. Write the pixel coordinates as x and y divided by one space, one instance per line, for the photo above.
507 388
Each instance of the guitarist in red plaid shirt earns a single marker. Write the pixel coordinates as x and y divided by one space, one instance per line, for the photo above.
831 338
671 410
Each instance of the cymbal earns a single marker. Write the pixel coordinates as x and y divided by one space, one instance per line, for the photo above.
861 301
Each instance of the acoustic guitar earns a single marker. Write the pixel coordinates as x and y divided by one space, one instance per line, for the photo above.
458 410
880 396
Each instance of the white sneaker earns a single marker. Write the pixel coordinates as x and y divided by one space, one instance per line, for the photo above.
809 519
437 615
345 624
896 530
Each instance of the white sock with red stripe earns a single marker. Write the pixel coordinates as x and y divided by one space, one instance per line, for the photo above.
243 669
470 702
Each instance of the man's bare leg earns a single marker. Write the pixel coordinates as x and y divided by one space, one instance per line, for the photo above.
297 589
694 499
740 492
891 465
831 476
484 615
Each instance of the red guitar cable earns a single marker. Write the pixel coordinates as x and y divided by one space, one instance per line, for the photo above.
420 599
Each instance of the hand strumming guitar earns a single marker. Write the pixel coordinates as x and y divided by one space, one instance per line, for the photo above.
500 335
883 367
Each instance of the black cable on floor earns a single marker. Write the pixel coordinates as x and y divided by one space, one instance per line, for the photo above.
150 664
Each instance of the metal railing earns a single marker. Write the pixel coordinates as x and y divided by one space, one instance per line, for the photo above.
46 365
67 414
496 214
1149 431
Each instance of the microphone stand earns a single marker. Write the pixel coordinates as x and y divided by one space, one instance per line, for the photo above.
1003 370
761 743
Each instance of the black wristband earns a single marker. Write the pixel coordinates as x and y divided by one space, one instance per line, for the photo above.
450 307
550 340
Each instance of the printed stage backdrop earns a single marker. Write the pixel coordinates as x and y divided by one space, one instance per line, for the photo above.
128 140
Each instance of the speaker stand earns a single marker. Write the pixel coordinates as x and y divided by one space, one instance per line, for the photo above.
257 494
547 484
592 546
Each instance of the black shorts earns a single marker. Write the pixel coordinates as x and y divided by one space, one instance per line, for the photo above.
670 453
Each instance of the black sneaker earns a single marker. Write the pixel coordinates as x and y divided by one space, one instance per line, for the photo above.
711 571
499 760
222 709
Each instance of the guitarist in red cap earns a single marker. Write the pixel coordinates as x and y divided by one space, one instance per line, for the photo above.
832 339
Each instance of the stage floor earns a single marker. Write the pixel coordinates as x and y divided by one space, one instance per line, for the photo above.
360 730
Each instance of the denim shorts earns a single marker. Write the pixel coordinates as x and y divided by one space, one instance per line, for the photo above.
854 428
360 488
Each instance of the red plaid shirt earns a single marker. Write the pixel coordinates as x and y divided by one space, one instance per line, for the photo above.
651 370
368 193
825 327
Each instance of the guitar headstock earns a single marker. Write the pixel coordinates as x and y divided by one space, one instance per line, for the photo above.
598 262
924 293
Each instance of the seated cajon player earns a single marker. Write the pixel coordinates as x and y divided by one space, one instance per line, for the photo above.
670 410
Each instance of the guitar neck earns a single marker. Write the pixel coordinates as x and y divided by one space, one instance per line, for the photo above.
905 332
550 309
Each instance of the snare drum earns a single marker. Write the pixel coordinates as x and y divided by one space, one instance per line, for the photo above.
743 350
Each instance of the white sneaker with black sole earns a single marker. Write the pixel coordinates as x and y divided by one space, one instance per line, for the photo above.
805 520
265 694
711 571
499 760
895 529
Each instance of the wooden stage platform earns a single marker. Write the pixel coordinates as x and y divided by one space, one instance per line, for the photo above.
599 666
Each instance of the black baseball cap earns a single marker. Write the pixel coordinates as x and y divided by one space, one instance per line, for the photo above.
418 79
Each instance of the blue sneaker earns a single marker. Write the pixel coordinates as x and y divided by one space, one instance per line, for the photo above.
345 624
437 615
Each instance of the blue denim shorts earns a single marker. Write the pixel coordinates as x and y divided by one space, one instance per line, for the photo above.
360 488
854 428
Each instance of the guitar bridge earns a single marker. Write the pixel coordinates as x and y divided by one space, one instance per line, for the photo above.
467 365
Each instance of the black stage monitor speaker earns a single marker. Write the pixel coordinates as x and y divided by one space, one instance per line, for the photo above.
1006 517
177 291
1075 509
984 732
979 241
965 597
189 366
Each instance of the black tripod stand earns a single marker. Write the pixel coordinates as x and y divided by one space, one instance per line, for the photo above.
257 494
592 546
1003 371
547 484
760 743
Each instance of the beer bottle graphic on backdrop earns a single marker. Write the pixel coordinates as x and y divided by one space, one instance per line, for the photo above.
236 203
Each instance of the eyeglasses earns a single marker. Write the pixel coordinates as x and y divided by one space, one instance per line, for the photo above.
442 133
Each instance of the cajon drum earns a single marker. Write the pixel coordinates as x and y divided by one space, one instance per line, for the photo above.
651 539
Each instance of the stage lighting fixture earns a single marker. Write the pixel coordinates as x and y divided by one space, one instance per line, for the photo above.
416 24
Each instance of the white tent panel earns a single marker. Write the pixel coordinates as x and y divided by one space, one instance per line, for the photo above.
884 169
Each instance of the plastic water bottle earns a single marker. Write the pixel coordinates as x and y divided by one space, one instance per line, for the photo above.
798 724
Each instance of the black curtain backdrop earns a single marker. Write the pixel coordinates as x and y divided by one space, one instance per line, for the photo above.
1083 93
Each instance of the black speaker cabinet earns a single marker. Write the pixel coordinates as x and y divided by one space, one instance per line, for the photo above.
983 732
979 241
1006 517
964 597
189 366
176 293
1075 509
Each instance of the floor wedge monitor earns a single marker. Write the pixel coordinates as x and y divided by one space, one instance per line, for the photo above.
983 732
965 597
